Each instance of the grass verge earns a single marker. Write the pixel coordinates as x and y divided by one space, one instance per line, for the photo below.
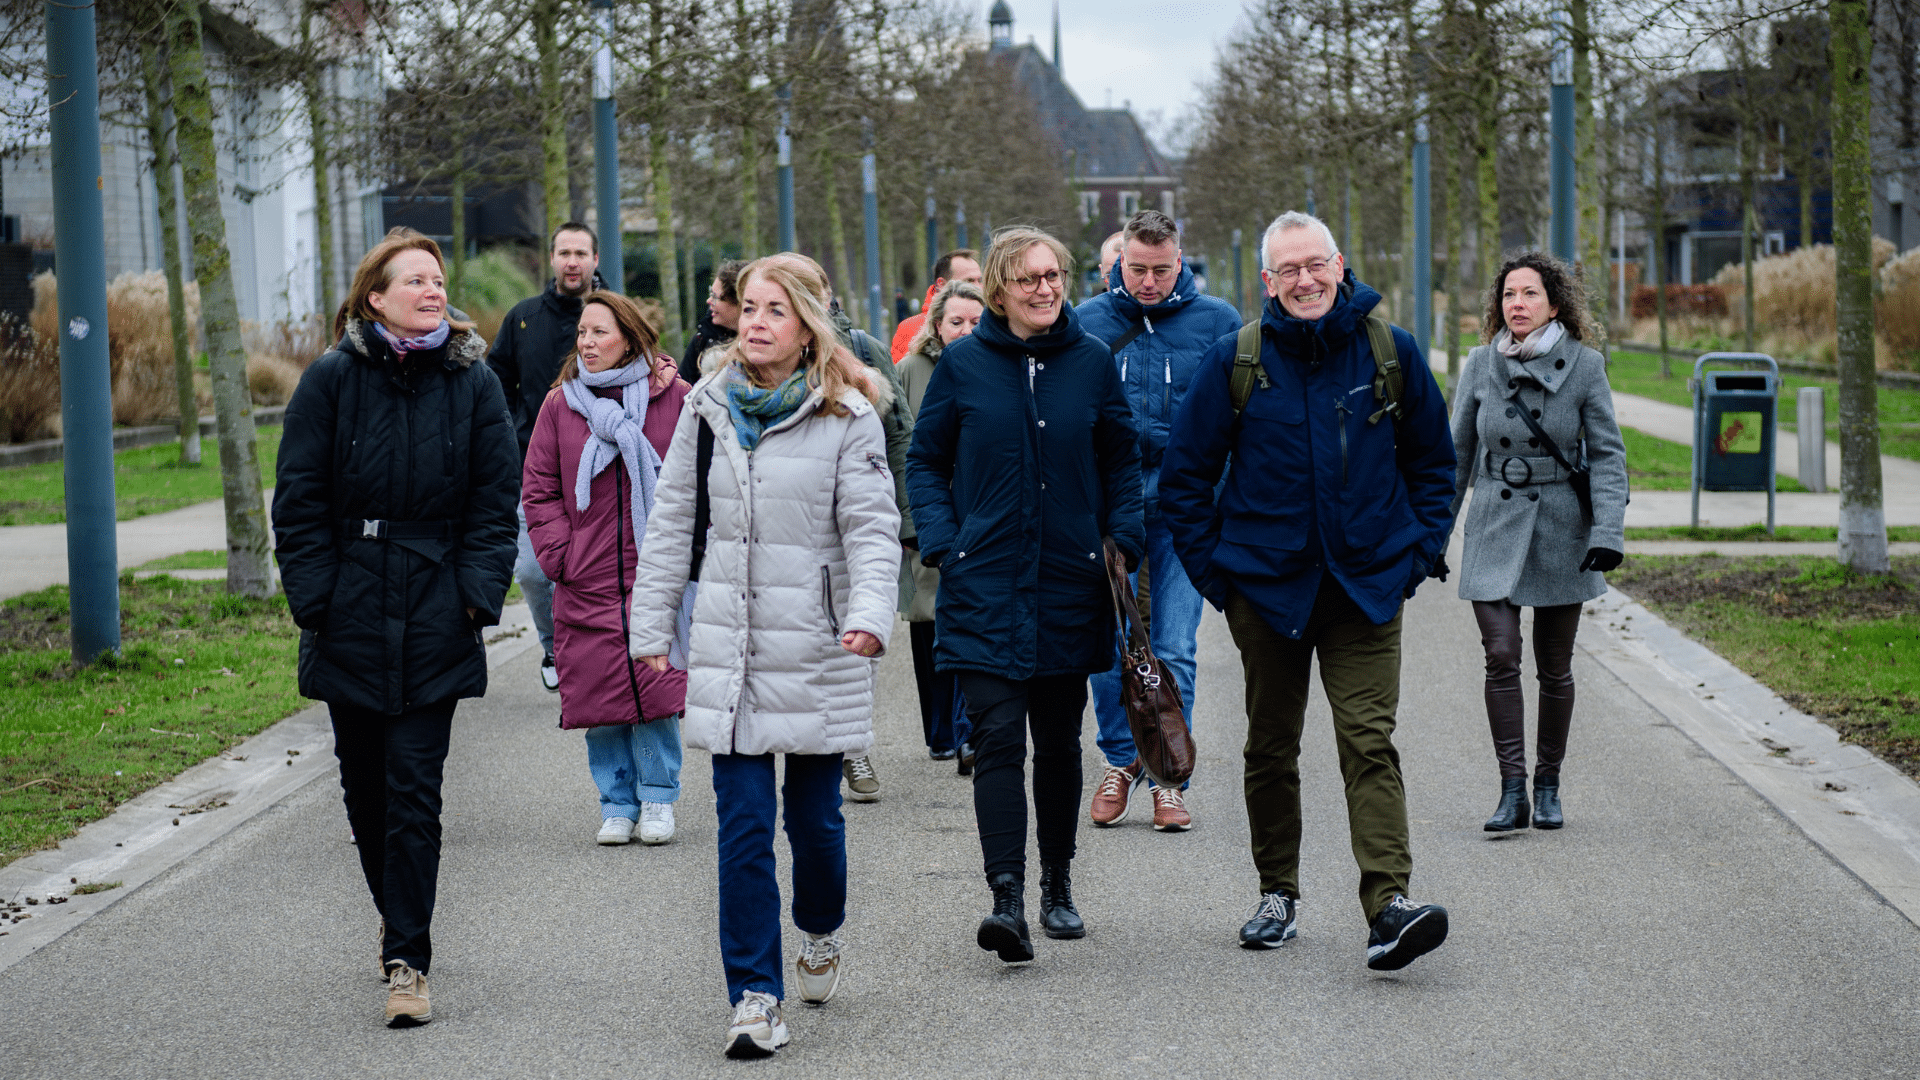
147 480
199 671
1655 464
1837 645
1758 533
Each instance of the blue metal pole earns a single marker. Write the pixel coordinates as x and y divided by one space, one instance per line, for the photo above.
1310 208
785 167
933 235
870 200
960 224
606 153
1561 172
86 389
1423 233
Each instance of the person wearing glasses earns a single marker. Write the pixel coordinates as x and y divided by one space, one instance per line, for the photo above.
1024 457
1335 510
1159 325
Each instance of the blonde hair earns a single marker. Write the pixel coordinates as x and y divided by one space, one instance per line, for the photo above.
1007 258
375 274
830 367
634 327
927 341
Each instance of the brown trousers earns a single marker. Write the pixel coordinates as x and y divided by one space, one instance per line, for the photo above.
1553 631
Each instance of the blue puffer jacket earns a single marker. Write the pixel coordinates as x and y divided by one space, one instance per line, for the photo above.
1313 483
1157 366
1023 457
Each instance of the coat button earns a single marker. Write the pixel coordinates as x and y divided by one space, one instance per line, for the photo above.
1559 364
1535 412
1506 493
1043 423
1504 441
1533 496
1510 412
1533 442
1511 383
1091 555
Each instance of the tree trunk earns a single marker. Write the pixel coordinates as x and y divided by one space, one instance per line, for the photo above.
843 283
749 192
1863 521
1454 209
457 206
553 118
314 86
1591 241
158 131
248 571
1658 241
1487 145
667 242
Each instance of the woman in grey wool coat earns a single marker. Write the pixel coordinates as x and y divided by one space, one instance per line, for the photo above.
1529 541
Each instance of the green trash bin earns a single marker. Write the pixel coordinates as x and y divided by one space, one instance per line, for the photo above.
1735 420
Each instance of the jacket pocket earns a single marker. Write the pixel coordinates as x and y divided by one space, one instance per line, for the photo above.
826 600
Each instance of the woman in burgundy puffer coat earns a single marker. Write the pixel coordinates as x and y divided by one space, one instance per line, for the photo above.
588 486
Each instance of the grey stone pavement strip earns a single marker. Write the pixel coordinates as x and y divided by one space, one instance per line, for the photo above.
1680 925
36 555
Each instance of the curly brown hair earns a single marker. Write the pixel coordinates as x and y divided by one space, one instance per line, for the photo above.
1565 291
634 327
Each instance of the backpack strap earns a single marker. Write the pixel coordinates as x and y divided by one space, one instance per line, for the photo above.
702 506
1389 378
1246 367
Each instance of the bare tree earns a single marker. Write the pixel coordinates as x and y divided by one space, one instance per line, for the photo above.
1863 521
153 66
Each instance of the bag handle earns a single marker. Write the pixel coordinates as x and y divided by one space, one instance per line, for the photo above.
1533 425
1133 639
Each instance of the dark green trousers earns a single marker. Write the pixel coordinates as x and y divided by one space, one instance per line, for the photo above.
1360 669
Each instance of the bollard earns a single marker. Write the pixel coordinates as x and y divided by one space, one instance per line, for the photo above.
1812 425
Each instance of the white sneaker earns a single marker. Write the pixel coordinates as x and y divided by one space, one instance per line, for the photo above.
818 967
656 822
757 1030
549 675
616 830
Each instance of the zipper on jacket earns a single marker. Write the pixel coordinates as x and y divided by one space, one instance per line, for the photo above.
826 598
1340 408
1166 392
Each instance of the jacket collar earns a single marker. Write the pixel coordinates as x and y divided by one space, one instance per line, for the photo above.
1549 370
463 349
568 305
1184 291
994 332
1352 302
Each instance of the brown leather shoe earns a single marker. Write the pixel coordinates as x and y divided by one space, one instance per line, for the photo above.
407 1002
1170 810
1110 798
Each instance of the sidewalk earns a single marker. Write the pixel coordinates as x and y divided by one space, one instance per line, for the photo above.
37 554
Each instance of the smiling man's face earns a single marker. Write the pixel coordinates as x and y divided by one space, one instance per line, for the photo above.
1304 275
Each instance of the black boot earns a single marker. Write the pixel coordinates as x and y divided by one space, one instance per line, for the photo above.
1005 931
1513 810
1058 918
965 756
1546 799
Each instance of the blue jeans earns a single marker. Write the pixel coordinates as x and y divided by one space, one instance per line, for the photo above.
634 763
534 585
749 892
1176 623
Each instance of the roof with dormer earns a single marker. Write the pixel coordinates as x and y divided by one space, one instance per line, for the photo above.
1103 145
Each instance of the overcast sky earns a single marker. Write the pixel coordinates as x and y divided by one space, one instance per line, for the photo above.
1153 53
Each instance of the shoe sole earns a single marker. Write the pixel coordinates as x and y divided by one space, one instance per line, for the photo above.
656 841
1286 935
1003 942
1068 935
1418 938
613 841
863 796
807 996
1538 824
407 1020
1183 827
746 1047
1125 809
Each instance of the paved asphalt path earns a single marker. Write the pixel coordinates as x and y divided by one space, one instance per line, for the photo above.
1678 927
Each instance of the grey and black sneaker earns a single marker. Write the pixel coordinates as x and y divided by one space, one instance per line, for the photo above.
756 1030
549 675
1274 922
863 785
1403 932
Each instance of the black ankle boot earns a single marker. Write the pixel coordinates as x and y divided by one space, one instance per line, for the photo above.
965 759
1005 931
1513 810
1546 801
1058 918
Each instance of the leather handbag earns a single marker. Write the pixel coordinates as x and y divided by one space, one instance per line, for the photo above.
1155 712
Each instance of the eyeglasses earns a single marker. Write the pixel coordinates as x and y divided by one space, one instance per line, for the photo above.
1290 274
1032 283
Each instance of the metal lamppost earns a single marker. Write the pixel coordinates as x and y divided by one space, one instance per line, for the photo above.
86 389
1239 284
933 232
606 152
960 224
785 166
870 200
1561 159
1423 232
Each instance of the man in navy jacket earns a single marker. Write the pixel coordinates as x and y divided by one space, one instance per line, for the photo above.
1332 514
1158 324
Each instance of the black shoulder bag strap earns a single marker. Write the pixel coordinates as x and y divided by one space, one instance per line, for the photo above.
1578 478
702 508
1139 327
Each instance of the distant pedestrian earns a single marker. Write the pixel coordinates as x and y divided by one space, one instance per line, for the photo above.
960 264
797 583
588 486
1529 540
534 338
1159 326
393 523
902 310
1110 254
952 314
1335 511
719 318
1024 458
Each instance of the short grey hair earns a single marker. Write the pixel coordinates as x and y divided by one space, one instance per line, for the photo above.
1294 219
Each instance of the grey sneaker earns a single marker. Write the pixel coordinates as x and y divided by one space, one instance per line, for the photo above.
407 1002
615 830
862 784
756 1030
818 967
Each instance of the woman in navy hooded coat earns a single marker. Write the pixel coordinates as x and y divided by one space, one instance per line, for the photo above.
1024 457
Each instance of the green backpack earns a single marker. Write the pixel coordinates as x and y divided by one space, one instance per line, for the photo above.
1389 380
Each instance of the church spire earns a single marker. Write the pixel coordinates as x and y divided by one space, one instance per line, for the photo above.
1056 36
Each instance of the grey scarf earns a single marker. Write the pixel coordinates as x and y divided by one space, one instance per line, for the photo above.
1534 344
615 431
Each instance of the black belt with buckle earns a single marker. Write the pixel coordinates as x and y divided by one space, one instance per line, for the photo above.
381 529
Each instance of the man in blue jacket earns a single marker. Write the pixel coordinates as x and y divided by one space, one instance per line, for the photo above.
1159 325
1334 512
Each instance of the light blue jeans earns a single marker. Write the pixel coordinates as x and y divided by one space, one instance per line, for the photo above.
534 585
1176 623
634 763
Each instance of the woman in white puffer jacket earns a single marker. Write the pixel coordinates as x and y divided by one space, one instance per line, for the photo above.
795 602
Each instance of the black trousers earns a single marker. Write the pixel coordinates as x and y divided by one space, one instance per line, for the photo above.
390 771
1553 632
942 716
1003 712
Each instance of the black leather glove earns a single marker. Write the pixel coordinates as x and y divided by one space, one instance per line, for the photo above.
911 543
1439 569
1601 559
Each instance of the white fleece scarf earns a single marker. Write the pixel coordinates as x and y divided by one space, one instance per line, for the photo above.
1535 344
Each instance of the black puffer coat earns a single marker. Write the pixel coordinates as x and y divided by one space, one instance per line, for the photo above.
428 448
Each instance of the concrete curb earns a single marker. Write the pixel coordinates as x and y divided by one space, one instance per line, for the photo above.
45 450
156 831
1862 812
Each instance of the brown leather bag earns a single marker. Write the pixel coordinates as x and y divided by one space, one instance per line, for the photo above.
1147 688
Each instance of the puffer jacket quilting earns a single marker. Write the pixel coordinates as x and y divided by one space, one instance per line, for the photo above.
803 547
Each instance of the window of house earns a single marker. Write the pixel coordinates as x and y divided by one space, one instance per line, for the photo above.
1776 243
1089 207
1129 203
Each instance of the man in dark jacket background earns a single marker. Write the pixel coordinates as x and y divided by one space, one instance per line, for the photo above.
1333 514
534 338
1158 324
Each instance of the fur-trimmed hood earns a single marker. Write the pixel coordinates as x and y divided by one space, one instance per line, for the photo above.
464 347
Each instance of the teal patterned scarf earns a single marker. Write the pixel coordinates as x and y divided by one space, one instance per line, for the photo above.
755 410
